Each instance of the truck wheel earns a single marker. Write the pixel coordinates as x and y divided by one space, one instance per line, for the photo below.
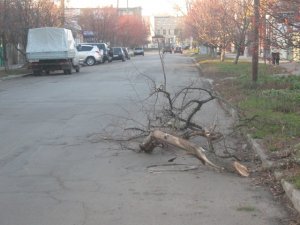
36 72
90 61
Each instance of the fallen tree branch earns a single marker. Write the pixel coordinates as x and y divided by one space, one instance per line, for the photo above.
156 137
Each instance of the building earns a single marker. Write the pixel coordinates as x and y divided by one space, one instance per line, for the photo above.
135 11
170 28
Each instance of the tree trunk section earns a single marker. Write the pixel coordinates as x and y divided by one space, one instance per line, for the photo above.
157 136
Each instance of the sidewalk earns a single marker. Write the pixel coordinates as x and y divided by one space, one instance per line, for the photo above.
292 68
17 68
13 67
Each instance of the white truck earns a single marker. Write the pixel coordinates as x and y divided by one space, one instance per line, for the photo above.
51 48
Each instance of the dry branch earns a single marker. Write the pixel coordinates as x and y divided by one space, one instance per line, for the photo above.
158 137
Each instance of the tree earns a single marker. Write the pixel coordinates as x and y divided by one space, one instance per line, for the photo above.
31 14
17 16
255 41
5 16
103 22
209 21
242 11
281 18
133 31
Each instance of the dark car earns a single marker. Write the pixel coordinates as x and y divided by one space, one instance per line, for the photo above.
138 51
117 53
178 50
126 52
101 46
168 49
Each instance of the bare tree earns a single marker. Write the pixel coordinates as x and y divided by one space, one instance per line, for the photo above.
108 26
240 15
210 22
282 24
103 22
17 16
5 17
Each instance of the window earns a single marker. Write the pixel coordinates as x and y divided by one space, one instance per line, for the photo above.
84 48
158 31
169 32
175 32
164 32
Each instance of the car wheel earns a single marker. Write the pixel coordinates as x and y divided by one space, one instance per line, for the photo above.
77 69
90 61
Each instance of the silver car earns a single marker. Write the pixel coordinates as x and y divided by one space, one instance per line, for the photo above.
89 54
138 51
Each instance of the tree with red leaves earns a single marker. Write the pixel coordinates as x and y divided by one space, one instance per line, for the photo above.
132 31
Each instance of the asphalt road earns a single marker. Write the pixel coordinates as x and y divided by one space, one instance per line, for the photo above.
55 167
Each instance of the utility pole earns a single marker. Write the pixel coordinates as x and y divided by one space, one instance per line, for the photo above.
255 52
62 8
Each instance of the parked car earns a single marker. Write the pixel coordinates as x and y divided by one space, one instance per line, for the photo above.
186 47
89 54
117 53
138 51
126 52
101 46
178 50
168 49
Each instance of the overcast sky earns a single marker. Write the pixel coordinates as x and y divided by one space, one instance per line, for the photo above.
149 7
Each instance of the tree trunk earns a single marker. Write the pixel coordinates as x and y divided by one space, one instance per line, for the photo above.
157 137
222 55
237 56
5 58
255 42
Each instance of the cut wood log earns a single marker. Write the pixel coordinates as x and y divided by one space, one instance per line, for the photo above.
158 137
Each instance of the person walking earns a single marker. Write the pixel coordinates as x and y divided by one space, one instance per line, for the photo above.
277 58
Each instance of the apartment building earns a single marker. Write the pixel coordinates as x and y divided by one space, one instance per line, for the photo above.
169 27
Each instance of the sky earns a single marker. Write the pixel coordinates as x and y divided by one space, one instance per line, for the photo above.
149 7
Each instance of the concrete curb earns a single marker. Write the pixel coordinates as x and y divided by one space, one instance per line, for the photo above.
13 77
292 193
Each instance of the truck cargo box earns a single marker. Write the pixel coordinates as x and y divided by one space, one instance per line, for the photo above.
50 43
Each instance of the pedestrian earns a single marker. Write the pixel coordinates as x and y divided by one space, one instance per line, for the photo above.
273 58
277 58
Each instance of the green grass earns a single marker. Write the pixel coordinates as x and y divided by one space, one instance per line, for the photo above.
273 103
296 181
